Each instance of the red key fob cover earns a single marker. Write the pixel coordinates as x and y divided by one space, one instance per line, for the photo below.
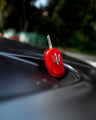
54 63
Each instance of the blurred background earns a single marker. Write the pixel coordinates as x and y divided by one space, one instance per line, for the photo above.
70 23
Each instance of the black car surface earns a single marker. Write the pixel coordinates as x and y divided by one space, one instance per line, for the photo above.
29 92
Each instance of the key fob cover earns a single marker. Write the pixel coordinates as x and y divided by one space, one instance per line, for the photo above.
54 63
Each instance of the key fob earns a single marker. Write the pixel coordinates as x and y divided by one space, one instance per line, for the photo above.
54 63
53 60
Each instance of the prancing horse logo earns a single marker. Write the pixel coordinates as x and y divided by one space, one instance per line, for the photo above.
56 58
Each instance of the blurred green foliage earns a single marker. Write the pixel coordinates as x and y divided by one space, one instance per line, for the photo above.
5 10
70 23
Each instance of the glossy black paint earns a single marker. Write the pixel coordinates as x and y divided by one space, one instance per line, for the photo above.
28 92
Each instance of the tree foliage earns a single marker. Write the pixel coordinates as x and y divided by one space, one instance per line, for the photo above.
68 21
5 10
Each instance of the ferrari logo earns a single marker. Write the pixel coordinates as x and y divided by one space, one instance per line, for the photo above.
56 58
